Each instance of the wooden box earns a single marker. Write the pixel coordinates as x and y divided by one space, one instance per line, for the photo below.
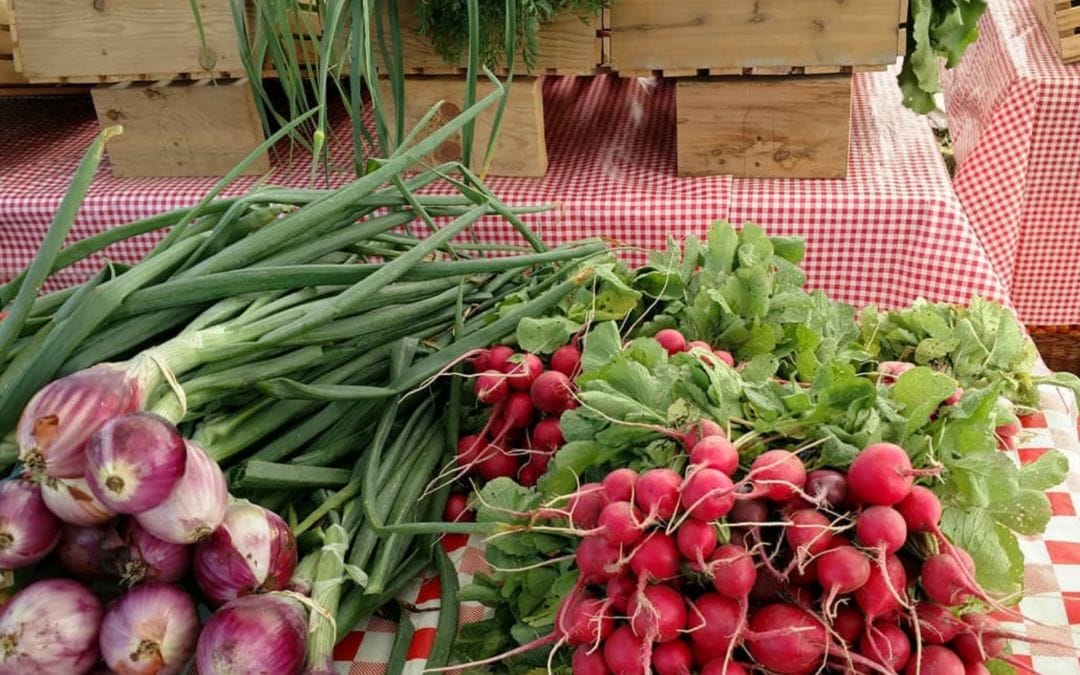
723 37
197 128
1061 18
764 127
9 75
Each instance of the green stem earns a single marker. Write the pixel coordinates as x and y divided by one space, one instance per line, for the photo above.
259 475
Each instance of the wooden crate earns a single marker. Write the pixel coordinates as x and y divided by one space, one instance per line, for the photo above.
197 128
522 149
9 74
1061 18
725 37
764 127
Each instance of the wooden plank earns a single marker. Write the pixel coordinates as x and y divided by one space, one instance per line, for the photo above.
188 129
5 13
82 41
5 41
1068 21
41 90
521 149
1047 14
646 35
8 74
793 127
1070 49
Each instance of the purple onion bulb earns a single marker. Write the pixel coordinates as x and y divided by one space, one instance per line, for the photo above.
252 551
71 500
80 550
195 507
151 630
254 634
136 555
134 461
50 628
28 530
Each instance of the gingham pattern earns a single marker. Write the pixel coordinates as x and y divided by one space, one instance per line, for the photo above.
1014 114
1052 574
891 232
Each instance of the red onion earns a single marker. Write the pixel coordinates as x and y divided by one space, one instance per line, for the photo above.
80 550
50 627
195 507
134 461
253 551
28 530
71 500
57 422
254 634
151 630
136 555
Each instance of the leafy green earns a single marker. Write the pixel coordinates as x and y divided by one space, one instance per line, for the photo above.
936 28
546 334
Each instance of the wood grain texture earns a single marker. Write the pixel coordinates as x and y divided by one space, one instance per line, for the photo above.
109 40
5 41
5 12
8 74
794 127
189 129
521 150
702 34
1061 20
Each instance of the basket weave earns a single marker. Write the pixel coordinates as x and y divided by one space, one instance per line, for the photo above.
1059 346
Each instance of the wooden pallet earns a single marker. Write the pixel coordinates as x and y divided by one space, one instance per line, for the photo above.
1061 18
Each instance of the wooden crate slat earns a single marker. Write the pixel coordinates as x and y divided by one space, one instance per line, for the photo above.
1061 20
5 12
793 127
5 41
1068 21
1070 49
8 74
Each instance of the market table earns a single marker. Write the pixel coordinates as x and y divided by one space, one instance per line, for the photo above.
893 231
1014 115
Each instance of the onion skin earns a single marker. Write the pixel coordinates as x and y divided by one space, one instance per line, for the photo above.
28 529
135 555
254 634
195 507
151 630
50 628
71 500
253 551
80 550
134 461
58 421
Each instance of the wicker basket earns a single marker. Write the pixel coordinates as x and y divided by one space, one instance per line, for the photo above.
1059 346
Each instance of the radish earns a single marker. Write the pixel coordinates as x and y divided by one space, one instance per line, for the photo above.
921 510
585 505
587 661
841 571
547 434
587 621
618 591
890 370
470 449
887 644
881 474
696 540
954 397
517 412
620 523
498 464
827 487
715 622
657 613
708 494
672 658
524 369
539 460
883 595
944 580
491 387
527 475
715 452
881 528
808 532
937 625
567 360
658 493
656 558
671 340
498 356
848 624
552 392
779 473
802 574
725 356
480 361
596 559
733 572
723 667
457 509
935 660
696 431
619 485
980 641
624 652
786 639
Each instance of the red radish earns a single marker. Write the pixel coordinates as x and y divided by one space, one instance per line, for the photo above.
585 506
671 340
881 528
848 624
539 459
714 623
619 485
954 397
980 641
696 540
596 559
499 464
704 352
699 430
708 494
481 361
656 558
491 387
586 621
725 356
672 658
890 370
518 411
457 509
624 652
567 360
779 474
552 392
804 574
527 475
723 667
880 596
748 511
885 643
658 493
808 531
786 639
523 370
620 523
937 625
921 510
767 586
547 434
881 474
733 571
588 661
715 452
840 571
935 660
945 582
498 356
657 613
619 590
827 487
470 449
1009 429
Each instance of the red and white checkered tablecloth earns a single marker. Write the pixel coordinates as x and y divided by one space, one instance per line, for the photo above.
1052 573
893 231
1014 115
